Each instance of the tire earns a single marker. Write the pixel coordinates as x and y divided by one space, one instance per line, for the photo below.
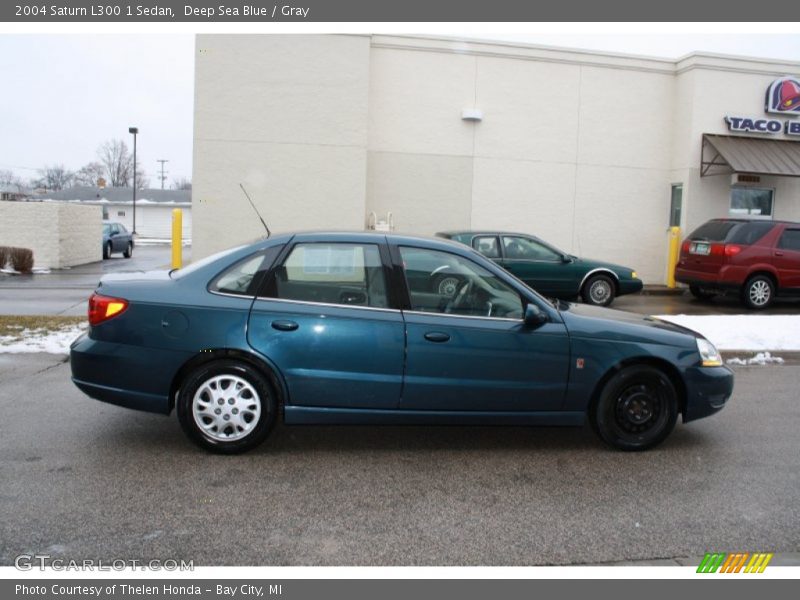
636 409
758 293
107 250
447 285
199 402
128 250
700 293
598 290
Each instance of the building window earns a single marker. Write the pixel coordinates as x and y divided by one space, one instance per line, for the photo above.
676 205
120 213
752 202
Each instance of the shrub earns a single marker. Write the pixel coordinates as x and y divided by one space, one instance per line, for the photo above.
5 254
22 259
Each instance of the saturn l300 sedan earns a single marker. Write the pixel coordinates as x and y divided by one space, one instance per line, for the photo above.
350 328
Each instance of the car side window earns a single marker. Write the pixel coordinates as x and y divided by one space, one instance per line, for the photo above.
487 245
122 229
332 273
238 279
114 229
790 240
527 249
445 283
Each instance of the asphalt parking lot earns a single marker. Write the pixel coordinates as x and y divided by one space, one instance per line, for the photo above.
82 479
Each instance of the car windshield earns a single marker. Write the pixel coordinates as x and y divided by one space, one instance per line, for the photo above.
106 228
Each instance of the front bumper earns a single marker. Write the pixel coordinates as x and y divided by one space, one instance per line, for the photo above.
708 390
130 376
630 286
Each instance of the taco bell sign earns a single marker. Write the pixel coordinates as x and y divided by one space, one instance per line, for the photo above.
782 98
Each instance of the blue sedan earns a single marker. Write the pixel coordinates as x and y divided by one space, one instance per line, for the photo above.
350 328
116 238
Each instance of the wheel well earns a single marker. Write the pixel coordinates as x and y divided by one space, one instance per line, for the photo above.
207 356
610 274
768 274
666 367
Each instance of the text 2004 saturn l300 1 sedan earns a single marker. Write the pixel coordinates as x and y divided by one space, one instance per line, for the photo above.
351 328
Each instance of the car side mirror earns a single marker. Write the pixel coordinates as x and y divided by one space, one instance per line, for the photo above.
534 316
566 258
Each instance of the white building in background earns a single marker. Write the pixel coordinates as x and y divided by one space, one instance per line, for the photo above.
153 207
598 153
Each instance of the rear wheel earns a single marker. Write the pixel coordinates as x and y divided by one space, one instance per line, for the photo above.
107 250
637 409
598 290
701 293
226 406
758 293
128 250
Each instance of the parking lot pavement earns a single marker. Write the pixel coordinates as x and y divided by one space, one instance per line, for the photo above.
82 479
685 304
65 291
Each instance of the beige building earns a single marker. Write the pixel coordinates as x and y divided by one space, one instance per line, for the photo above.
597 153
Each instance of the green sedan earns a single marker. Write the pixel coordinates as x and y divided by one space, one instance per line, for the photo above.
545 268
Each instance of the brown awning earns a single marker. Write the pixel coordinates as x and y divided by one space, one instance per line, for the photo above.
736 154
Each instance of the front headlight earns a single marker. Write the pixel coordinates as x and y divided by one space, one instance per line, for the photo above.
634 275
708 353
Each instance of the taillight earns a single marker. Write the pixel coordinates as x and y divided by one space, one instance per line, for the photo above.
685 247
103 308
732 249
718 249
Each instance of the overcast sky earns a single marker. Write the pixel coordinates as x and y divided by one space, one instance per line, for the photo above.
64 95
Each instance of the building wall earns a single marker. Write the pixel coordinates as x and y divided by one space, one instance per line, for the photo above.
286 116
580 148
60 234
152 220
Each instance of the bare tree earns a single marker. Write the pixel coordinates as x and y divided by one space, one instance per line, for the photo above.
181 183
89 174
54 177
8 179
117 162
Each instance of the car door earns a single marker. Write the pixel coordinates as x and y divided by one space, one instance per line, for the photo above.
472 351
538 265
786 258
325 320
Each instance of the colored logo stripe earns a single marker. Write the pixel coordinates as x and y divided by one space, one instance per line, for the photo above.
733 562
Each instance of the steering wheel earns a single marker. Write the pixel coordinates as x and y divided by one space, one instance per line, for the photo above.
459 297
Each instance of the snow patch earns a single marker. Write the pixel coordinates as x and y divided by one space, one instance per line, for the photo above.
41 340
744 332
762 358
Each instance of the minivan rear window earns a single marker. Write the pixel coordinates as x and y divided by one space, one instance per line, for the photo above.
732 232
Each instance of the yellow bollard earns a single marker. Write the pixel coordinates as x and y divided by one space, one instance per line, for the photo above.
672 258
177 235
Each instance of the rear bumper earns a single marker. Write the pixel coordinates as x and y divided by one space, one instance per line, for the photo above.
728 278
708 390
130 376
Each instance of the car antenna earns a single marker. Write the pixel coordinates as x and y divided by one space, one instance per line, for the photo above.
255 209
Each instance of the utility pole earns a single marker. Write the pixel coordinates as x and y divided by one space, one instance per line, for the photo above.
163 176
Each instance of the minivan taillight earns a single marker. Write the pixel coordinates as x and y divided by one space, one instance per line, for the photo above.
732 249
103 308
685 246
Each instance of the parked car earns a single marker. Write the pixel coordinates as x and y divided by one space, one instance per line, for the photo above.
547 269
338 328
116 239
756 259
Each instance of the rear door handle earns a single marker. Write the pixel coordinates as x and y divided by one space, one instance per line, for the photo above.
284 325
777 253
437 336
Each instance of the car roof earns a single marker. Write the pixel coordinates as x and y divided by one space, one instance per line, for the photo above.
485 232
743 220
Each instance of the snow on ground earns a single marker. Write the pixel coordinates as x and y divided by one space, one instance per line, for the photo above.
744 332
41 340
762 358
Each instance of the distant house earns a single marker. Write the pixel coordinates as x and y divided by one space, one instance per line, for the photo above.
153 207
13 192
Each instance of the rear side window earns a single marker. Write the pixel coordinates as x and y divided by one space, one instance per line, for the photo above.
790 240
749 233
487 245
238 279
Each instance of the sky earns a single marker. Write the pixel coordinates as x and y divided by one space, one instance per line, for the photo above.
64 95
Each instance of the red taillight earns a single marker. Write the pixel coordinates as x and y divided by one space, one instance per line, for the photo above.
103 308
717 249
685 247
732 249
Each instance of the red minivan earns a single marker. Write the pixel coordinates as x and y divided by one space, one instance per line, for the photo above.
757 259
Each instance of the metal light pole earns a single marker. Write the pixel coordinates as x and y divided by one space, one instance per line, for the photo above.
134 131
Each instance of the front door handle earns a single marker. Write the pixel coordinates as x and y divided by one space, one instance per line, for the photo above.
284 325
437 336
778 253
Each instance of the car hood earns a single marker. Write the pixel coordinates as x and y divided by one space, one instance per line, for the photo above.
583 320
590 263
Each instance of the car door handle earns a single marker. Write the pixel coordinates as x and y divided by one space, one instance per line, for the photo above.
437 336
284 325
777 253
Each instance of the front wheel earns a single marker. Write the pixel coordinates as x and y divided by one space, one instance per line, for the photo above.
636 410
226 406
128 250
598 290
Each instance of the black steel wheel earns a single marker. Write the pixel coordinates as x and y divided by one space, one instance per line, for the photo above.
636 409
